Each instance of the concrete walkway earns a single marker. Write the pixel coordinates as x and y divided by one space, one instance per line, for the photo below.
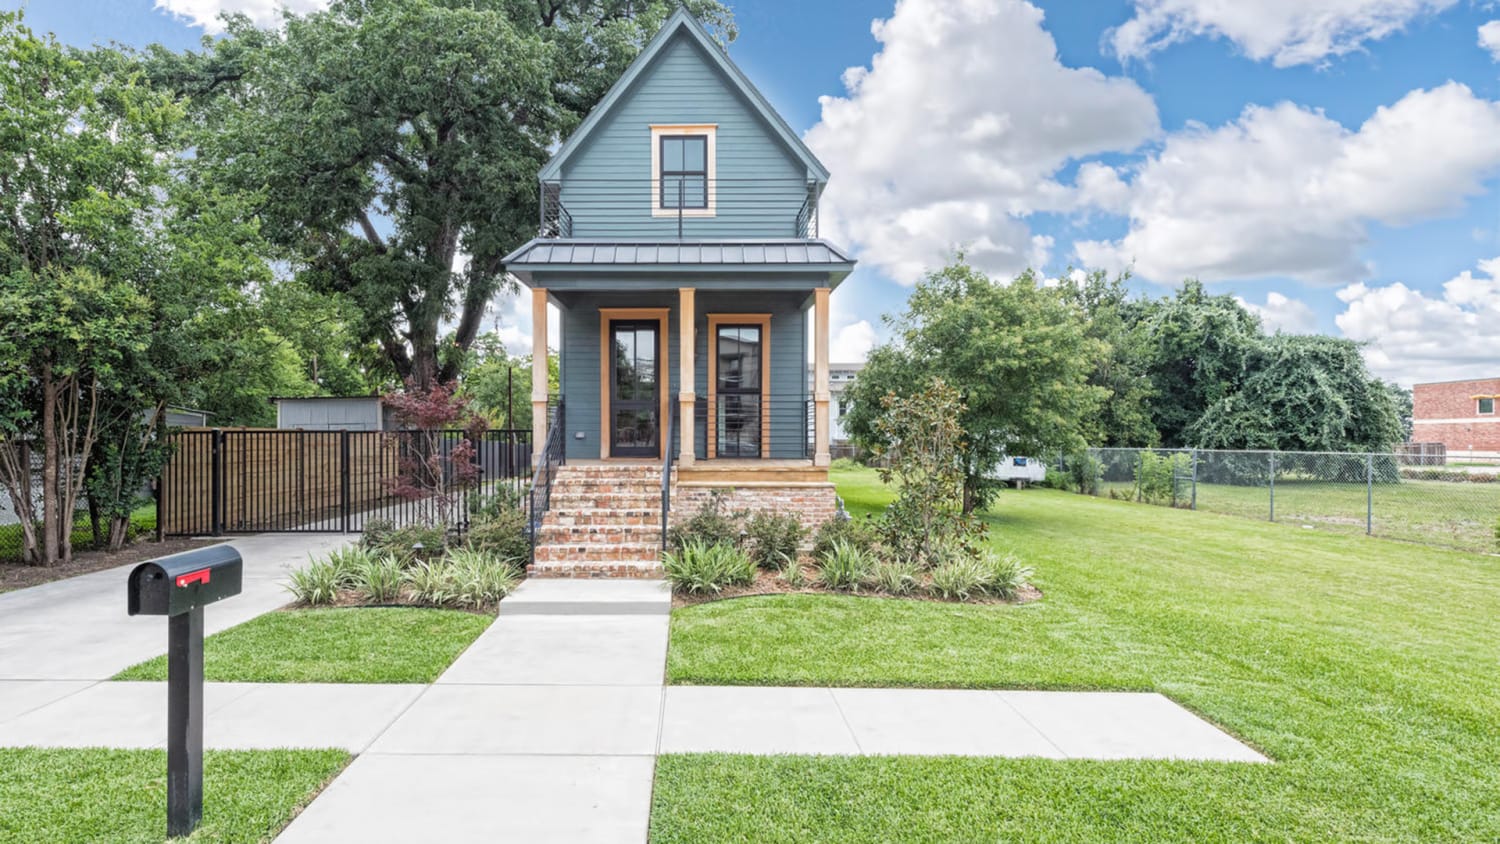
544 730
77 629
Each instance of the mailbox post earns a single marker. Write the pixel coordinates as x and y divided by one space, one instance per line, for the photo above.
179 587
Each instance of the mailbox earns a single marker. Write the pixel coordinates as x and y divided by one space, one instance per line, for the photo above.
182 582
179 587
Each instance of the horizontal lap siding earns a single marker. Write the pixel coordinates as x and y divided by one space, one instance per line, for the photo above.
760 183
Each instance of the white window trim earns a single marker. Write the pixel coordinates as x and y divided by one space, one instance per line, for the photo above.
1493 401
710 130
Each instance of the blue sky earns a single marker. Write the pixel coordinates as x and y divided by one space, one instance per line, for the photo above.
1313 157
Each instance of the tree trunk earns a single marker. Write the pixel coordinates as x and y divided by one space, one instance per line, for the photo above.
119 531
50 499
15 474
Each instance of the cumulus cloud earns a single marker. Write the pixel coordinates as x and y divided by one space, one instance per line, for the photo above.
1489 38
1283 313
853 342
205 13
1287 191
1288 32
955 133
1415 337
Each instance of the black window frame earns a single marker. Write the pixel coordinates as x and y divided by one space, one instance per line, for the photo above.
739 393
664 173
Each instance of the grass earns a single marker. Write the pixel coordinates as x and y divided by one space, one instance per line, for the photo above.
1365 668
1449 513
350 645
121 795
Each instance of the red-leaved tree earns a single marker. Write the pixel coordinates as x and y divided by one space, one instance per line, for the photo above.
438 456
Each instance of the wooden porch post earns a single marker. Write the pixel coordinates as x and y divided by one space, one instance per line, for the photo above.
820 377
538 373
687 317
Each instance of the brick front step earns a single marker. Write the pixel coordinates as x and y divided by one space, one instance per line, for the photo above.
610 552
569 501
634 569
578 516
610 532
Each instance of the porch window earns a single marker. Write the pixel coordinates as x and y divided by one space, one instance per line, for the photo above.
738 388
684 171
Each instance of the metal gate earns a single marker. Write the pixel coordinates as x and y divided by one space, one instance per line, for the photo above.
226 481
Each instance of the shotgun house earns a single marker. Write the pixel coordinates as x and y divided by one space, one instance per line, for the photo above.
679 244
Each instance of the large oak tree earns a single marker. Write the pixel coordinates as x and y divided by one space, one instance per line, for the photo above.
393 144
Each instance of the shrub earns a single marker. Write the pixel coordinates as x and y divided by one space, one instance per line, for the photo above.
502 534
1082 470
959 579
712 524
483 507
774 538
380 579
479 579
383 537
1004 574
860 532
844 464
699 566
431 583
845 567
794 575
1156 476
347 562
317 584
895 578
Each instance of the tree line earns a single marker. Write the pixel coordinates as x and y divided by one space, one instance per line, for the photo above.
315 209
1046 366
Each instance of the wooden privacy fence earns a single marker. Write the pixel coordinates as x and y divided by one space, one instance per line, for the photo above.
245 480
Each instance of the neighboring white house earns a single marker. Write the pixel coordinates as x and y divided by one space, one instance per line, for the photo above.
840 376
333 413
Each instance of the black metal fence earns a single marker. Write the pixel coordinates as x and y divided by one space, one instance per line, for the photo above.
276 481
678 207
753 426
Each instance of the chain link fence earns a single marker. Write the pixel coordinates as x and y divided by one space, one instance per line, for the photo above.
12 534
1455 504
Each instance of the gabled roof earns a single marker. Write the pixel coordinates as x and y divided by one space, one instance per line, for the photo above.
683 21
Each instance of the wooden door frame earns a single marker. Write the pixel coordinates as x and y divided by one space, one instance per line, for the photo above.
763 321
606 373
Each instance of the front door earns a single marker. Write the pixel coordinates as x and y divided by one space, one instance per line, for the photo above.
634 385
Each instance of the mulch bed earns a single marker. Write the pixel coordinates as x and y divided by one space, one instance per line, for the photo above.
771 583
18 576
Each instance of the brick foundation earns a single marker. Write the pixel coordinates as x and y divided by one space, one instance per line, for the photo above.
812 503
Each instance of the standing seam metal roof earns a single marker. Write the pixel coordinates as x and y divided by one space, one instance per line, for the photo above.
732 253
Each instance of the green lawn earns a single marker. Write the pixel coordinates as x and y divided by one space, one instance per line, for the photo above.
121 795
353 645
1449 513
1367 669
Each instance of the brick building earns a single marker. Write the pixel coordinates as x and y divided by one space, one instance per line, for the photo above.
1462 415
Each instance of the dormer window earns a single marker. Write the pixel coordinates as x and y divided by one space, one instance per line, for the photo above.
682 170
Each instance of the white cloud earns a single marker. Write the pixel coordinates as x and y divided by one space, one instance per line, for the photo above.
955 133
1283 313
205 13
852 343
1415 337
1489 38
1287 191
1288 32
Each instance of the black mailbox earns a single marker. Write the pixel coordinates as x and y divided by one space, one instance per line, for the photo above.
179 587
173 585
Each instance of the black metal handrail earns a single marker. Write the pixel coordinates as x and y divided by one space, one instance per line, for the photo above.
635 207
553 455
666 472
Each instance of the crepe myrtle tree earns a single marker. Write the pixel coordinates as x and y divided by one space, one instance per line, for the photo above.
393 145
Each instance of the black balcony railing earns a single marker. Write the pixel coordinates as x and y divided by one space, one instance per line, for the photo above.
754 427
679 207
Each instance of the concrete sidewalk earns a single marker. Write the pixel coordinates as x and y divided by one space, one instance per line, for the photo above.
77 629
544 730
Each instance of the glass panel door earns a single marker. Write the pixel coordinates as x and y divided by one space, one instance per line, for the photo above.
634 400
737 387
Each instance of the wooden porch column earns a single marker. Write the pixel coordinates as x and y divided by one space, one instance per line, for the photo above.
687 317
538 373
821 395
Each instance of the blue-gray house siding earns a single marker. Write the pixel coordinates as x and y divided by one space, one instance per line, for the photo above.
580 376
606 183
